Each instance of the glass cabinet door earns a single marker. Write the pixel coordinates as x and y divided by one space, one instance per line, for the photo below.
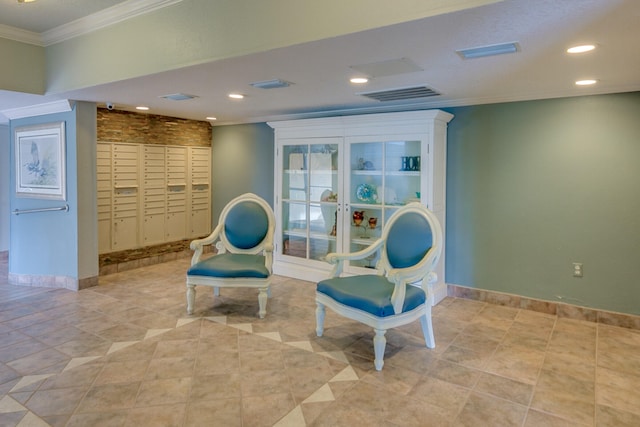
309 200
382 176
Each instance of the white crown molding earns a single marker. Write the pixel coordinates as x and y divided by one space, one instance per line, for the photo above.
117 13
61 106
19 35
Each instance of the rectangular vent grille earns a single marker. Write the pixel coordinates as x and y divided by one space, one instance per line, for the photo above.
401 94
178 97
271 84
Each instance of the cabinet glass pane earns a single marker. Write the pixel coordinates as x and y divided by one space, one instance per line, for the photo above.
368 262
295 176
323 172
366 224
402 172
323 230
366 165
294 229
310 195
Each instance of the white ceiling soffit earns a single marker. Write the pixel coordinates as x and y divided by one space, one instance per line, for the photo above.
117 13
388 68
61 106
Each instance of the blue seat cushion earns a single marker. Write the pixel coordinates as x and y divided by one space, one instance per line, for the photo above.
369 293
231 265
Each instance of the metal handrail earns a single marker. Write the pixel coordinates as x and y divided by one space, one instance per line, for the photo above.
24 211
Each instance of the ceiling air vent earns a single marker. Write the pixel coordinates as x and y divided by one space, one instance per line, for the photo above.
401 94
178 97
271 84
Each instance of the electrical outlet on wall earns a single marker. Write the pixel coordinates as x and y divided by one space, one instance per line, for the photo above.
577 269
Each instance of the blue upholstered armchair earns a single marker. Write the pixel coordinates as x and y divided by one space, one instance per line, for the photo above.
244 258
410 247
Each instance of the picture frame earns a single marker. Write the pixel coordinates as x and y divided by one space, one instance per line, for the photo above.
40 161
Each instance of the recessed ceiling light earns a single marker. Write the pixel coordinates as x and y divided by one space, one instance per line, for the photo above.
581 49
236 96
211 118
142 108
586 82
359 80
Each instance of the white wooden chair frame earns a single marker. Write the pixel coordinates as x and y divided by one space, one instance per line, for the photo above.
223 245
421 273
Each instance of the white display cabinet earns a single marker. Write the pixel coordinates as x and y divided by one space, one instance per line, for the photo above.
339 179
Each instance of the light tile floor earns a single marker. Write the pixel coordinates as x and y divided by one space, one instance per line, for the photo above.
126 354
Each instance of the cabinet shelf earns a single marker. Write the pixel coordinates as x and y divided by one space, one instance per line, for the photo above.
303 234
306 171
387 173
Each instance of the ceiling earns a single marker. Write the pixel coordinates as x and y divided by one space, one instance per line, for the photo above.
319 70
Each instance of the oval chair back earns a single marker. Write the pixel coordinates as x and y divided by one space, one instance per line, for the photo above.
246 226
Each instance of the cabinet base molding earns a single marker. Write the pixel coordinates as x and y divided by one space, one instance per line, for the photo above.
300 272
58 282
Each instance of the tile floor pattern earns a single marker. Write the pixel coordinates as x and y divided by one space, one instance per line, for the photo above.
126 354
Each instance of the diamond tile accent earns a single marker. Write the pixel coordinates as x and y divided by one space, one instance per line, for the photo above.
295 418
247 327
120 345
8 405
28 380
217 319
271 335
185 321
304 345
323 394
347 374
77 361
155 332
32 420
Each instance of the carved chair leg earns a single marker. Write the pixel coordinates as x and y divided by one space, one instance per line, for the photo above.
320 313
262 302
191 298
427 330
216 291
379 344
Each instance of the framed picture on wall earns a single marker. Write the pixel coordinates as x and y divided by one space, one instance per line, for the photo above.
40 161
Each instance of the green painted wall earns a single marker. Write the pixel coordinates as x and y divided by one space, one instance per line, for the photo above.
531 188
534 186
23 67
242 161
